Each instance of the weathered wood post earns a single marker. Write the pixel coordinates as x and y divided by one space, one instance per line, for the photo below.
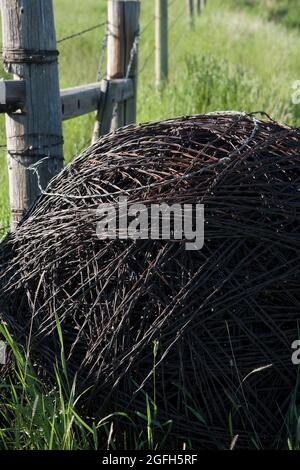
35 134
161 41
122 60
190 12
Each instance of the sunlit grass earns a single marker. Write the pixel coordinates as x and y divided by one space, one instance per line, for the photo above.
231 60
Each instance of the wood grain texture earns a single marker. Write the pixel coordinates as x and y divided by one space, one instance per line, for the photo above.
113 92
12 95
80 100
123 27
75 101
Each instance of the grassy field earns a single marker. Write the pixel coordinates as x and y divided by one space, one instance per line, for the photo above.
234 59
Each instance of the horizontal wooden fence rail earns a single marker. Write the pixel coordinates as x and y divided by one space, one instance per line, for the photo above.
75 101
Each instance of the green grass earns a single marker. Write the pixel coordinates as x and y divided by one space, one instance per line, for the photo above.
233 59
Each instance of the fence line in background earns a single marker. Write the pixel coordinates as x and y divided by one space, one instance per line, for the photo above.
190 11
161 41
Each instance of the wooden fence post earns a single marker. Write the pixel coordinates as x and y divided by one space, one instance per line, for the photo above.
122 60
199 6
190 12
161 41
35 134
